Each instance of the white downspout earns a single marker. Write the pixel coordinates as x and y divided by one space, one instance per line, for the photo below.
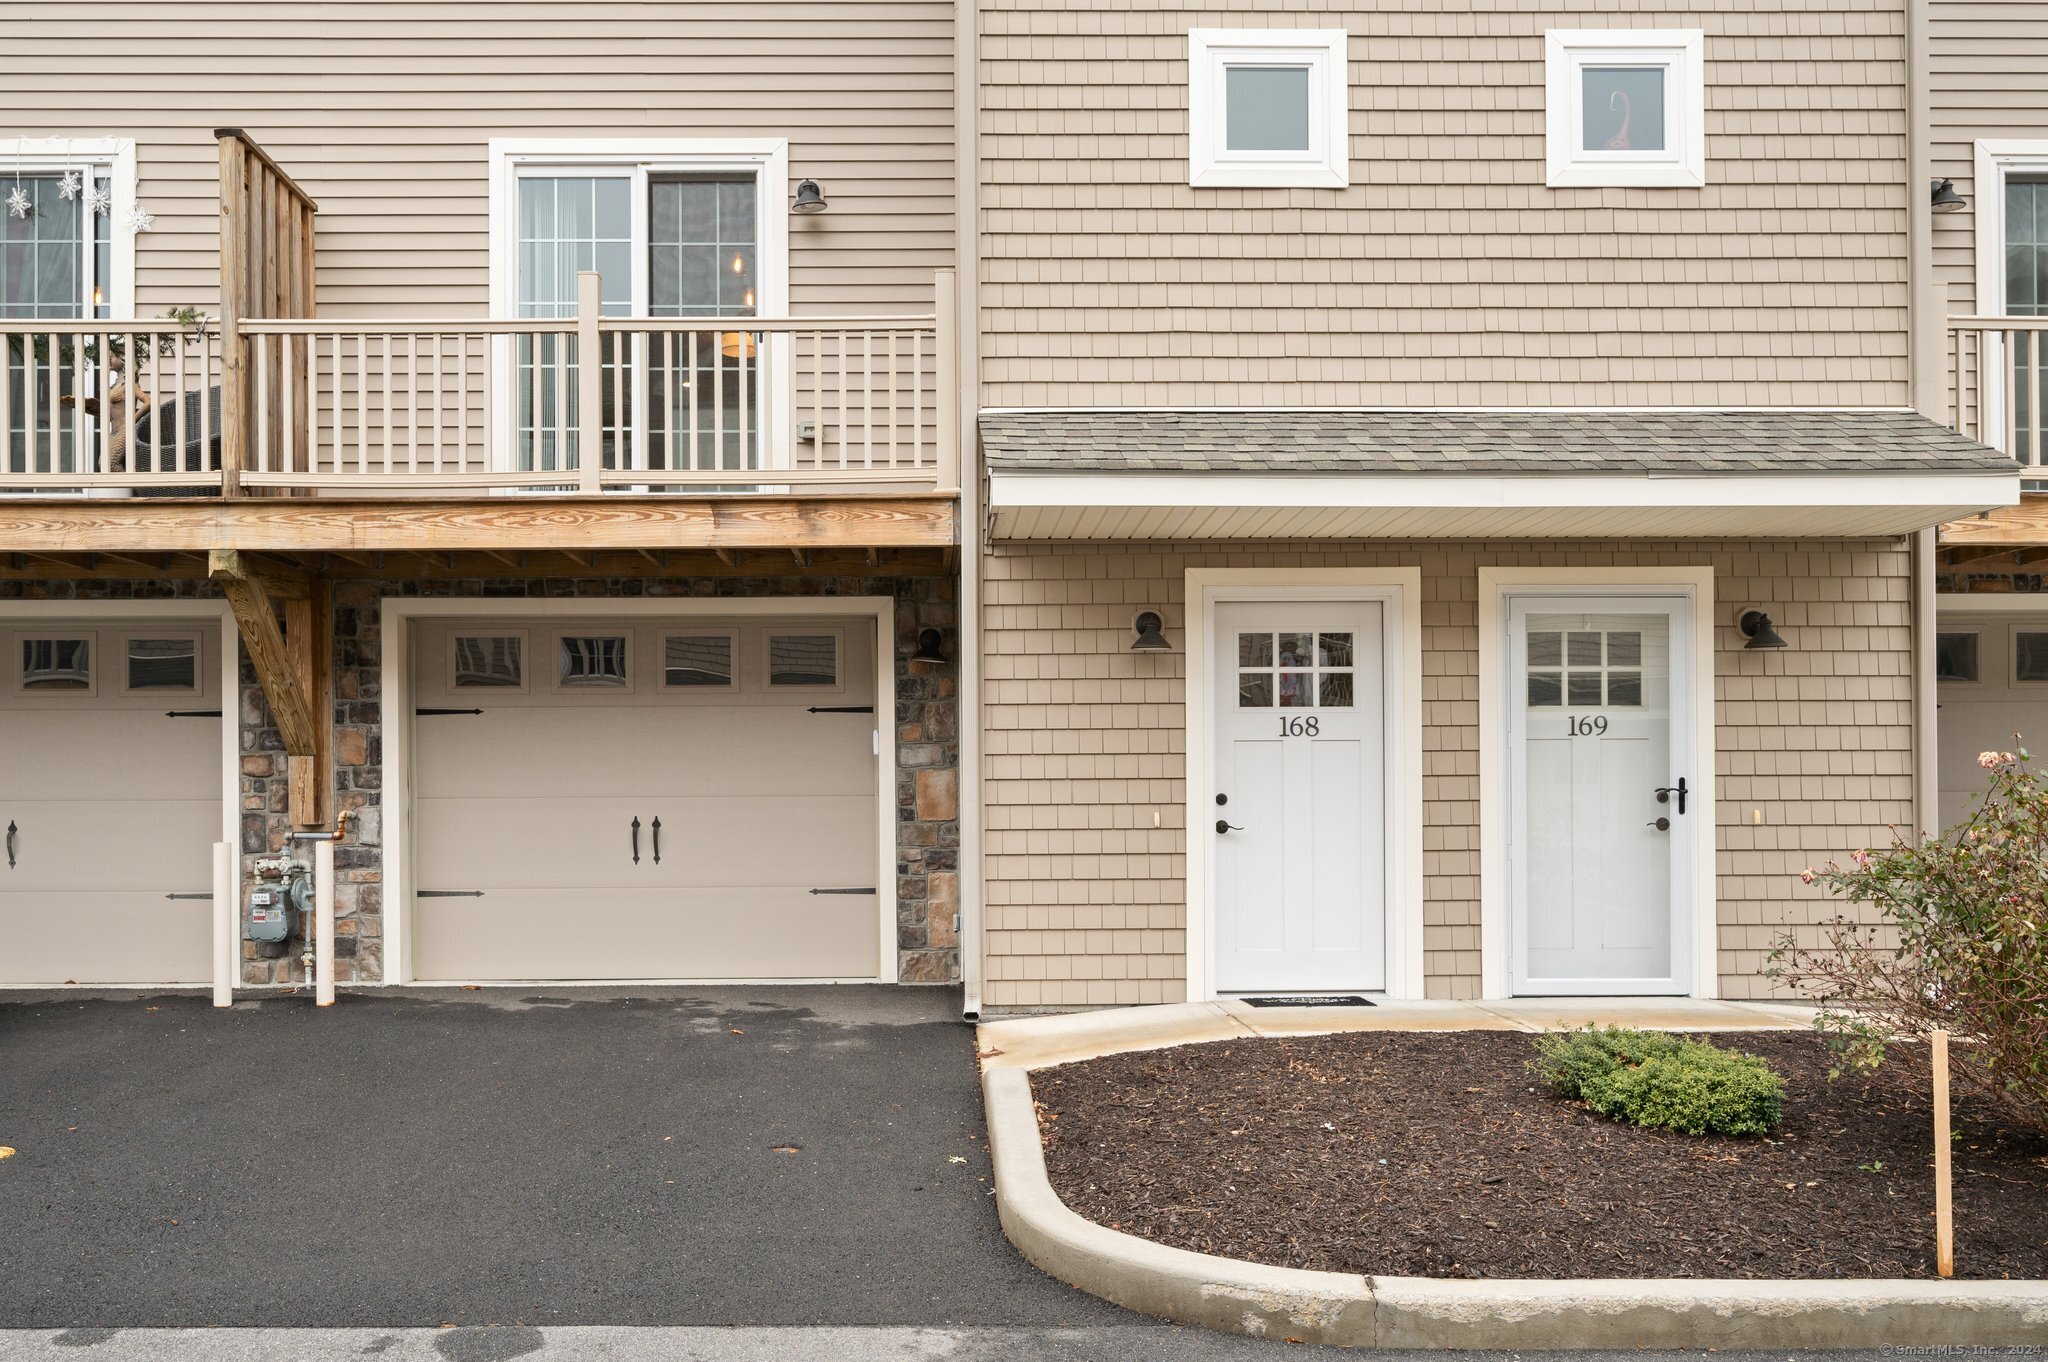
1925 356
967 264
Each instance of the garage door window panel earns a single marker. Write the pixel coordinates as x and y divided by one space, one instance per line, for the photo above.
161 664
594 662
494 661
699 660
57 665
807 661
2029 657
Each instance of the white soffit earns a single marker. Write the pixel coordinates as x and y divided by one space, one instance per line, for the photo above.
1041 505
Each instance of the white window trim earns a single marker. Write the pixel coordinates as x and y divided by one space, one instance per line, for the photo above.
1995 160
116 155
1683 165
1495 805
1399 590
766 157
1327 165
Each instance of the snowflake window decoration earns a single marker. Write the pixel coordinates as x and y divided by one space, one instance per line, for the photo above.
17 203
70 186
140 219
98 201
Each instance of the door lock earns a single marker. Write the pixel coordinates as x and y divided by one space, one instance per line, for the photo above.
1664 793
1661 825
1224 826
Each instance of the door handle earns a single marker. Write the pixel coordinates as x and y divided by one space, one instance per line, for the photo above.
1664 793
657 839
1223 826
1660 824
636 839
10 844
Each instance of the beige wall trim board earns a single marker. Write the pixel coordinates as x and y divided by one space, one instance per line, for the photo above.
2016 603
230 682
1495 584
1101 505
1399 590
396 691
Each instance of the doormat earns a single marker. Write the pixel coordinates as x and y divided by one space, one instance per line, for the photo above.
1312 1000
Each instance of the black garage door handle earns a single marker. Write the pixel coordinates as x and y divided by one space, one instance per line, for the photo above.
10 844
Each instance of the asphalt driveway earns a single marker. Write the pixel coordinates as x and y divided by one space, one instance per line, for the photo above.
746 1156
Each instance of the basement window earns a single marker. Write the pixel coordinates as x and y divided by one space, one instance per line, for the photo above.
1268 108
1955 657
2029 655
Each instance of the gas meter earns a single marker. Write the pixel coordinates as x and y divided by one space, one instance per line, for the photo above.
270 914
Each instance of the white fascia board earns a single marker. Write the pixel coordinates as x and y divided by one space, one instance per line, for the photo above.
1014 489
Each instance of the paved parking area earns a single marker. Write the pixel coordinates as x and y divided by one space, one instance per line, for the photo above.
744 1156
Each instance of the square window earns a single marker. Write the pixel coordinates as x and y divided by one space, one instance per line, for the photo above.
489 661
1268 108
1583 650
1583 688
1254 650
1337 690
163 664
2029 656
1335 650
803 660
1626 107
1545 689
1546 649
697 660
593 661
1625 688
1254 690
56 664
1955 657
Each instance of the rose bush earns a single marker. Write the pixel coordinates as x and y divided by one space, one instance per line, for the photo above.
1958 944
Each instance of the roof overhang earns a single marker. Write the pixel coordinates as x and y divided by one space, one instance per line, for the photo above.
1041 504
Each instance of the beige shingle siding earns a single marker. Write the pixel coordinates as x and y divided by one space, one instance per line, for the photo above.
1984 79
1447 274
1085 740
383 112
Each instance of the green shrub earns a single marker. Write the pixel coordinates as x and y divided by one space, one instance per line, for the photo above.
1955 939
1655 1079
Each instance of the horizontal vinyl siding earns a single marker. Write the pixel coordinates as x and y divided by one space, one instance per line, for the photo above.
1447 274
1987 77
1086 740
383 112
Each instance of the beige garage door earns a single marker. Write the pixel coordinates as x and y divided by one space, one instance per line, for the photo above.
110 799
645 800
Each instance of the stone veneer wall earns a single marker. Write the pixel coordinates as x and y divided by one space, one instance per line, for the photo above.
927 794
1086 739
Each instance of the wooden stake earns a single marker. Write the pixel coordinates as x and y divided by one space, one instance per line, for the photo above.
1944 1204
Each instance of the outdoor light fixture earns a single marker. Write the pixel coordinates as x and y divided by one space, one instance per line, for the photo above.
1150 640
931 646
1946 200
1756 627
809 198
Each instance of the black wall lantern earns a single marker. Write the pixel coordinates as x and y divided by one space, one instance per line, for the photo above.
809 198
1148 626
931 646
1756 627
1946 200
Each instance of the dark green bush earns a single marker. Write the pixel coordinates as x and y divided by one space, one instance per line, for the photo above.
1653 1078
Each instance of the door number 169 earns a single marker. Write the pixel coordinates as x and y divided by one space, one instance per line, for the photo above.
1588 726
1298 727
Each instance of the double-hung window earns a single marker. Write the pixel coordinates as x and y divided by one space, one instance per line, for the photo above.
675 231
58 262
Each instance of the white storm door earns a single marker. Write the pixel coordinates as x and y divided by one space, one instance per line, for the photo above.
1299 835
1600 727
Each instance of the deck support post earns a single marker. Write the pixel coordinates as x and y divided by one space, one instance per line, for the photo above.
294 665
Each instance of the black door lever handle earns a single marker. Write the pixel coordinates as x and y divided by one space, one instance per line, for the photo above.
1664 793
636 839
1222 826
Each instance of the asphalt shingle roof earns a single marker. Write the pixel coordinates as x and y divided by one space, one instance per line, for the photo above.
1481 442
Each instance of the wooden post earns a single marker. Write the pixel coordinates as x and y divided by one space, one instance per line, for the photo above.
589 384
234 277
946 377
1944 1201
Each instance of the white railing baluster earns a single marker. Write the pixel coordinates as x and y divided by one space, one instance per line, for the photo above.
843 385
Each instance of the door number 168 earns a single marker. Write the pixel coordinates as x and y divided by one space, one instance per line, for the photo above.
1298 727
1588 726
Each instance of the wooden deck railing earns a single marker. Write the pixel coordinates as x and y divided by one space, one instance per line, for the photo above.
1996 383
434 407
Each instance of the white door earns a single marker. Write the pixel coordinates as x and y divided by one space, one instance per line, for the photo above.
645 800
1299 834
1600 728
110 802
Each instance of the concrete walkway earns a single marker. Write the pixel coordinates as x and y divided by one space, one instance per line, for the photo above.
1034 1042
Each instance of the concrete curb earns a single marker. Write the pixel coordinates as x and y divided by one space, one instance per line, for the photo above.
1352 1311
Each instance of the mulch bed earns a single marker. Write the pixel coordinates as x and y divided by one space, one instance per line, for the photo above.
1438 1155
